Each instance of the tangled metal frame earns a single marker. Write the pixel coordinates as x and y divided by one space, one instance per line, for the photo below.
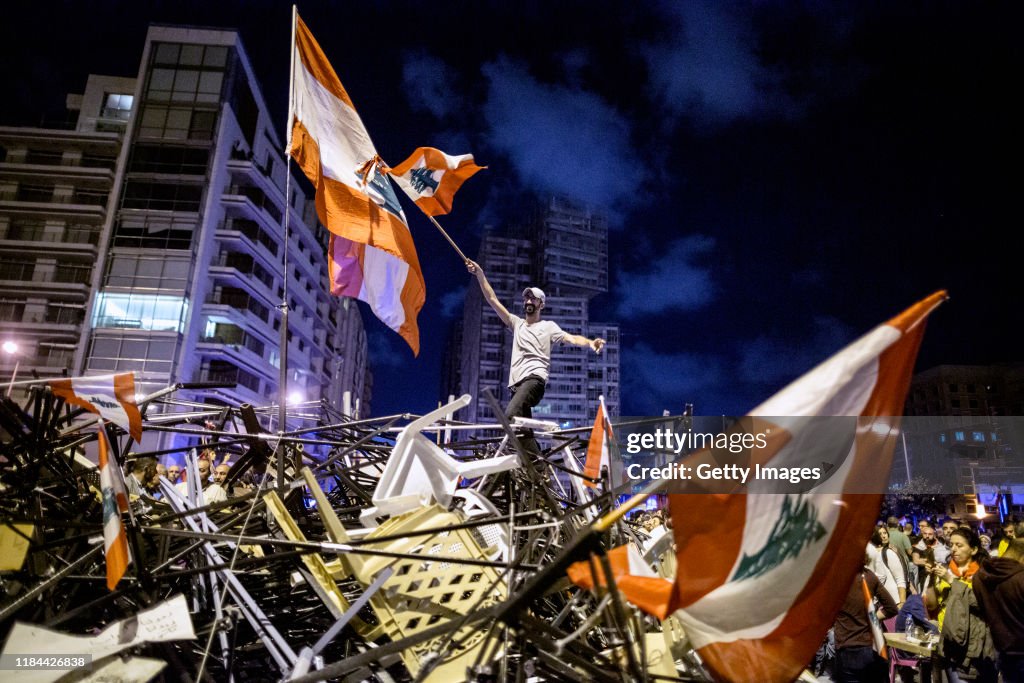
300 577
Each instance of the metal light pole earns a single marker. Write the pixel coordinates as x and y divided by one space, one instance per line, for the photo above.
11 348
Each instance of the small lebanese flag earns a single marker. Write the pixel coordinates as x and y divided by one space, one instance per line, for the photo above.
633 578
115 542
431 178
112 397
597 450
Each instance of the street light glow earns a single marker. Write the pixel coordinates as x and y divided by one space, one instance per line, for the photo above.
10 347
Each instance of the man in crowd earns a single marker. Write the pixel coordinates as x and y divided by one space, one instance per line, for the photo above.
897 539
948 527
173 472
220 473
929 545
141 478
856 658
203 463
217 492
1009 533
999 588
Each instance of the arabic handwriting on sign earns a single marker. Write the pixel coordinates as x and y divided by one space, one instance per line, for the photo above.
157 626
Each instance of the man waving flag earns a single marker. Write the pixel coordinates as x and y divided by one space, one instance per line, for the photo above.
371 254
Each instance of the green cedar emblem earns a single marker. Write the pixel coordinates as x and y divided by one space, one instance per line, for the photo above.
422 179
795 529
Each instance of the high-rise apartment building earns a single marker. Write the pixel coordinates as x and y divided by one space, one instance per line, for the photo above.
184 278
55 200
563 249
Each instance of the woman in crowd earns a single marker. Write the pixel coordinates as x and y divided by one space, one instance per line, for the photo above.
895 561
966 651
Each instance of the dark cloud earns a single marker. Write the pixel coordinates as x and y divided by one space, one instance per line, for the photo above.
768 360
707 67
430 84
561 140
450 303
387 350
654 381
679 279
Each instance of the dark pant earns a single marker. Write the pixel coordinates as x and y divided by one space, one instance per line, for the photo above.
525 395
1012 668
860 665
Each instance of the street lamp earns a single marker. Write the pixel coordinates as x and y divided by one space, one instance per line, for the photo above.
11 348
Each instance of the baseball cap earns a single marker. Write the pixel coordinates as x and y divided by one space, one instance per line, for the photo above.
536 292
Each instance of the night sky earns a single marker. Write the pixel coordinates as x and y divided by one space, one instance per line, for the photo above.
780 176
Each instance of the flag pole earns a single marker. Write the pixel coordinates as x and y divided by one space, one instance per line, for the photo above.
450 240
618 513
283 370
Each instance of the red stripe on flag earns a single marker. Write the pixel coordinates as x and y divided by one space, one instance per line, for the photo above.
596 448
124 390
316 62
359 221
649 593
718 552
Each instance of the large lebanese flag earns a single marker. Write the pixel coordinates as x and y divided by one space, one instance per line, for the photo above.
371 255
761 577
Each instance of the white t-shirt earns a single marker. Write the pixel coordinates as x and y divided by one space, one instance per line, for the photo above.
939 550
885 577
531 348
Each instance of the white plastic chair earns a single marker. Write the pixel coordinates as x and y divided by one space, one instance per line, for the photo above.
419 471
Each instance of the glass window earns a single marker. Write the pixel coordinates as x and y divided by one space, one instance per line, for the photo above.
161 82
978 436
117 106
167 53
185 84
215 56
958 435
191 54
139 194
210 82
140 311
131 353
148 272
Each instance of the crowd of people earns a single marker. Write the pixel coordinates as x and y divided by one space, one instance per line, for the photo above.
142 478
964 587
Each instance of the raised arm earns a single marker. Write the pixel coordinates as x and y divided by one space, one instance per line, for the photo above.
489 296
578 340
